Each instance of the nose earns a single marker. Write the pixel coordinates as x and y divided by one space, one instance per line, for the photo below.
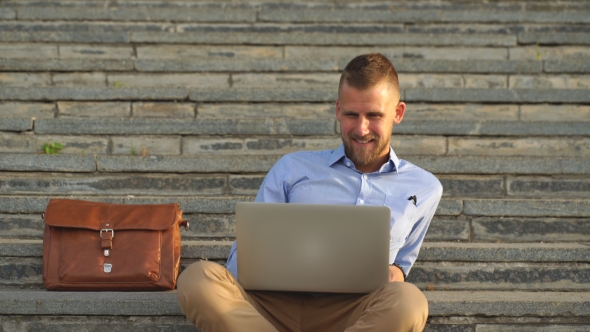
362 126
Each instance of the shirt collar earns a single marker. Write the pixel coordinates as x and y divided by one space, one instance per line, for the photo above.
392 165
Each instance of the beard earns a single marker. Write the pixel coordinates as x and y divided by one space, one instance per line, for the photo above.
363 156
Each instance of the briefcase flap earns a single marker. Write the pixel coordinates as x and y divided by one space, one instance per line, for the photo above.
69 213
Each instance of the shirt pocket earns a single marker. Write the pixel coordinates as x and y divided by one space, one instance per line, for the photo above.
401 221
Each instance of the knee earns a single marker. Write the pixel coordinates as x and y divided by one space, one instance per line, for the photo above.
407 301
200 275
198 280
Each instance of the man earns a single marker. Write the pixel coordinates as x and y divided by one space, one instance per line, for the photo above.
363 170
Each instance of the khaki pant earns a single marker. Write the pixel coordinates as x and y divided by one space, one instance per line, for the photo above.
212 300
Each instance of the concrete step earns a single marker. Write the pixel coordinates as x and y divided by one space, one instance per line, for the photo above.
530 113
270 11
449 311
441 266
516 207
443 228
238 184
215 163
266 142
379 11
297 127
444 95
288 80
286 65
430 252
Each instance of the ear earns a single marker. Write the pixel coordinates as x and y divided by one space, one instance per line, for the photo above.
400 110
337 108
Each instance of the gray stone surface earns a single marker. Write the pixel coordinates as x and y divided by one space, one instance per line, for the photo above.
326 12
78 79
93 109
397 53
65 37
96 52
498 95
493 128
504 252
146 11
461 112
566 66
160 185
27 110
447 229
7 13
547 112
528 207
285 80
461 303
164 110
9 64
448 328
224 65
466 303
22 272
327 35
562 53
205 164
464 66
206 249
207 225
146 145
264 95
37 204
530 229
16 124
26 51
42 302
266 110
26 323
195 204
22 80
430 251
21 248
564 81
245 184
449 207
21 226
505 165
566 38
472 186
527 146
26 143
548 187
537 328
63 93
47 163
501 276
146 80
126 126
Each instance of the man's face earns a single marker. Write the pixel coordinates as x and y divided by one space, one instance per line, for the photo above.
366 123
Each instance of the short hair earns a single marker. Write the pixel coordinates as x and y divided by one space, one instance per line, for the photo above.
368 70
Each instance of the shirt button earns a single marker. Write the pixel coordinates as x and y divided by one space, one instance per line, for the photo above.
361 201
365 176
347 164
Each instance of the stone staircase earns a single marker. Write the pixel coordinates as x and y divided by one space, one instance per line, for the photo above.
193 102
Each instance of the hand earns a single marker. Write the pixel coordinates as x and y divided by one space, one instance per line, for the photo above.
395 274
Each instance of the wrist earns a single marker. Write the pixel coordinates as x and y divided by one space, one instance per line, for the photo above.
400 268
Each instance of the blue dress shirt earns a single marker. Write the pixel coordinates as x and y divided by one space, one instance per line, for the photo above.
329 177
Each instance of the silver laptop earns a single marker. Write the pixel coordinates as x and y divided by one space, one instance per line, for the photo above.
312 248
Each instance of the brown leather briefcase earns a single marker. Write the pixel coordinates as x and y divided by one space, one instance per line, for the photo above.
102 246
